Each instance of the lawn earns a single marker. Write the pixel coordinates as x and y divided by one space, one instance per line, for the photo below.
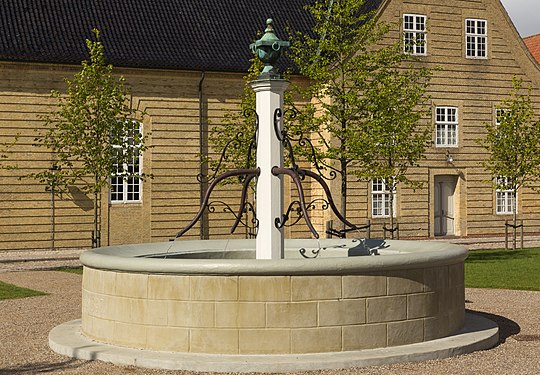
503 269
10 291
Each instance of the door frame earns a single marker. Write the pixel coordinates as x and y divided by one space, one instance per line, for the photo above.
443 220
460 201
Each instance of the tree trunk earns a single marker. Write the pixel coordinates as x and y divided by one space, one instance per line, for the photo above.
97 235
391 210
514 210
343 191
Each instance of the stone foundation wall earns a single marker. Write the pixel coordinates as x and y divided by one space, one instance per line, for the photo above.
272 314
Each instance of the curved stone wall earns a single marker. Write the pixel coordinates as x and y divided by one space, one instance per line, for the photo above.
326 305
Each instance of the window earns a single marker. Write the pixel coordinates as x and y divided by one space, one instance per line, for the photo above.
505 198
380 199
446 124
499 113
476 38
414 34
126 183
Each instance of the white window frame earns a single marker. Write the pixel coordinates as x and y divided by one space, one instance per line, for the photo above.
498 113
446 126
131 187
380 199
504 200
415 37
476 38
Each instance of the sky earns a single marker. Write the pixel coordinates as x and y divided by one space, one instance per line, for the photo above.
525 14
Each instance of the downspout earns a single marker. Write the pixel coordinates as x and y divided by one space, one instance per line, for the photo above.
203 167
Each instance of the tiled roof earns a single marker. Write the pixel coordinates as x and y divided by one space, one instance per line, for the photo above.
170 34
533 44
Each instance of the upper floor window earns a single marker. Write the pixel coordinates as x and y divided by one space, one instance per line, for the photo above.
476 38
505 197
126 184
446 125
414 34
380 199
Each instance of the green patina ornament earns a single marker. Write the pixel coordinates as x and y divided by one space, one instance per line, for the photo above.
268 49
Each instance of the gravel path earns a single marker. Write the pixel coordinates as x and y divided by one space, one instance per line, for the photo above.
25 324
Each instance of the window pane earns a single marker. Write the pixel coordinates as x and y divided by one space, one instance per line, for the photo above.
414 34
125 184
476 38
446 128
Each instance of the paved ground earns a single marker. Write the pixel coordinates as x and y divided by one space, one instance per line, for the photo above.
25 324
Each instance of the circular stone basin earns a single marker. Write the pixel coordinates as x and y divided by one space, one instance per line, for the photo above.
214 297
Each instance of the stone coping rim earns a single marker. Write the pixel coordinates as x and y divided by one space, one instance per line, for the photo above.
479 333
132 258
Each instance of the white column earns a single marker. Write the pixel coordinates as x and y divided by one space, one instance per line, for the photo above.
269 242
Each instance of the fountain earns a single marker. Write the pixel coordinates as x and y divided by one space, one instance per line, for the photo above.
271 304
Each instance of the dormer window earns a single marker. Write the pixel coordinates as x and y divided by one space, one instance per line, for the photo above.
414 34
475 38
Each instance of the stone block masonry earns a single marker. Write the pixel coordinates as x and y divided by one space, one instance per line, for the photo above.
272 314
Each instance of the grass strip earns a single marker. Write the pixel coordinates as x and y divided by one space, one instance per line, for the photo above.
10 291
503 269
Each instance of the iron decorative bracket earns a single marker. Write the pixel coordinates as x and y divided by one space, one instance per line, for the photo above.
236 143
245 208
311 205
284 137
248 174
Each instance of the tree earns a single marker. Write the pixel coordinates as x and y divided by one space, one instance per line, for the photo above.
512 143
235 136
392 138
365 105
235 139
92 133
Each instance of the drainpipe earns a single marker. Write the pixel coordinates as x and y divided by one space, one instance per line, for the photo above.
203 167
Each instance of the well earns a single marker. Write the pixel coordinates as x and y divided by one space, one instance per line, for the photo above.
211 297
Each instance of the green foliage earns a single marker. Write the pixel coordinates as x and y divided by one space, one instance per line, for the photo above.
503 269
237 130
10 291
367 103
513 144
92 132
91 119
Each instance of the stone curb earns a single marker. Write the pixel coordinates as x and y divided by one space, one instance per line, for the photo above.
479 333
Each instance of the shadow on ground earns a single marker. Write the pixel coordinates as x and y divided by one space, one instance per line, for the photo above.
507 327
40 367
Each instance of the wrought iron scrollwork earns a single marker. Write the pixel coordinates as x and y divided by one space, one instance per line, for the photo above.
300 139
247 173
341 233
235 143
245 209
316 252
295 175
294 207
276 171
